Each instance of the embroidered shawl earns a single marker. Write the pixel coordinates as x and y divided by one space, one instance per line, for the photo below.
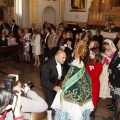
76 87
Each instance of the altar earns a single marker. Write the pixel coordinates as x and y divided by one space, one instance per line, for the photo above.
106 34
104 14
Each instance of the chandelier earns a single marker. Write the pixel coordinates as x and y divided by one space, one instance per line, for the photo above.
9 3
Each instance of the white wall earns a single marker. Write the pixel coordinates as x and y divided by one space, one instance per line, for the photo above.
43 4
49 11
76 16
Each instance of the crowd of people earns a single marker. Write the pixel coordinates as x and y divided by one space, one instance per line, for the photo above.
87 64
100 53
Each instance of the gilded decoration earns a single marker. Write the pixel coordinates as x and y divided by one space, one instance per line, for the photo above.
80 49
77 86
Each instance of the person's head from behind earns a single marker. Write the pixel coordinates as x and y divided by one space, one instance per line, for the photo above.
95 55
5 98
93 43
35 31
60 56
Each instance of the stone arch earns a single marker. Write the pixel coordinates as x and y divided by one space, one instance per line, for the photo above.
49 15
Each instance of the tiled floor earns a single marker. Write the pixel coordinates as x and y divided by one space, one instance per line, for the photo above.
30 72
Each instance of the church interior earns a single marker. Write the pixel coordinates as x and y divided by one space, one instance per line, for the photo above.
75 15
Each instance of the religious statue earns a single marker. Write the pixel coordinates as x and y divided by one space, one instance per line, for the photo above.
74 100
109 25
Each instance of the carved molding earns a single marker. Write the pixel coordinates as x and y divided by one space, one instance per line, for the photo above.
100 10
9 3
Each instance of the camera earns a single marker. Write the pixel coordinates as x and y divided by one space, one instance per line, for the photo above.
30 84
9 80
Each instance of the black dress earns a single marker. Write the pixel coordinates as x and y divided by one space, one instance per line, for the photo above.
116 80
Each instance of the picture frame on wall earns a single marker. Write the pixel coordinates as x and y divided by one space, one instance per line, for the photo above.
78 5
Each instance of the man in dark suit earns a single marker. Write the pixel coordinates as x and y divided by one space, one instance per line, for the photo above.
45 42
98 37
50 75
14 28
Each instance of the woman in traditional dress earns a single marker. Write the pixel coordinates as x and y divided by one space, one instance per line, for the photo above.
107 56
94 68
74 101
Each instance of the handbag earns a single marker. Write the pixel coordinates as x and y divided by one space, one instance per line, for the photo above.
61 115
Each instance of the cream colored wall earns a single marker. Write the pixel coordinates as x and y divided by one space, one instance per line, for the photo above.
34 11
1 2
49 11
76 16
42 4
62 9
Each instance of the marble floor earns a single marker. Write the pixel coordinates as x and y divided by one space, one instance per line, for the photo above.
29 72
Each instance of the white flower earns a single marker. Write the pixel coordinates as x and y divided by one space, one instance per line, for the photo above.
118 66
91 67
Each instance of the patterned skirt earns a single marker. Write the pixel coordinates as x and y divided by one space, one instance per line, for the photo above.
104 88
115 92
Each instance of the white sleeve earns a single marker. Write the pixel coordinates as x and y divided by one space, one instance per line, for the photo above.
37 40
33 103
